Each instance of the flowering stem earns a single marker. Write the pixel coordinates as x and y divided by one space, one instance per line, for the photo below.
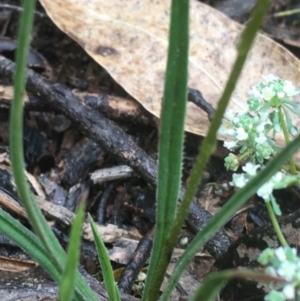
287 140
276 225
244 155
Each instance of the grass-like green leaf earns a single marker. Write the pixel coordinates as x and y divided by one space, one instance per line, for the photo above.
67 284
30 243
16 140
171 134
107 271
36 218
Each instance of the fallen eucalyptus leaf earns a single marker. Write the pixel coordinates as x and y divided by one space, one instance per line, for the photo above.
129 39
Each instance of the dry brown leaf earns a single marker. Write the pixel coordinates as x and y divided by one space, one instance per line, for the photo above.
15 264
129 39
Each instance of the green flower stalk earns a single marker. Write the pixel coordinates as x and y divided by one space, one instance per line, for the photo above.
282 262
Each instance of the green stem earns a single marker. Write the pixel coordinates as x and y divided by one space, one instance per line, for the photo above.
287 140
244 155
276 226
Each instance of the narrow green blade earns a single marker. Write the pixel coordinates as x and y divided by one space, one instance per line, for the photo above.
108 274
67 284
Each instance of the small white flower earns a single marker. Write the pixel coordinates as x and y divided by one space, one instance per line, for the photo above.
270 78
261 139
277 177
241 134
229 115
222 130
254 91
239 117
236 120
226 128
287 270
238 180
260 128
230 144
289 291
289 88
231 132
271 271
280 94
280 253
267 92
265 191
263 115
250 168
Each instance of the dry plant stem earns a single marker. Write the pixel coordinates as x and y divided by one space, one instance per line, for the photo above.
197 98
135 264
109 136
116 108
287 13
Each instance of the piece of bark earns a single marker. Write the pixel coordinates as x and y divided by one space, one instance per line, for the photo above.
75 195
112 138
117 107
54 192
136 263
113 107
111 174
103 201
79 160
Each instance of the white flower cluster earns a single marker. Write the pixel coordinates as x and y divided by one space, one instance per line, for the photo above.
249 134
285 263
269 103
274 86
275 95
278 181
